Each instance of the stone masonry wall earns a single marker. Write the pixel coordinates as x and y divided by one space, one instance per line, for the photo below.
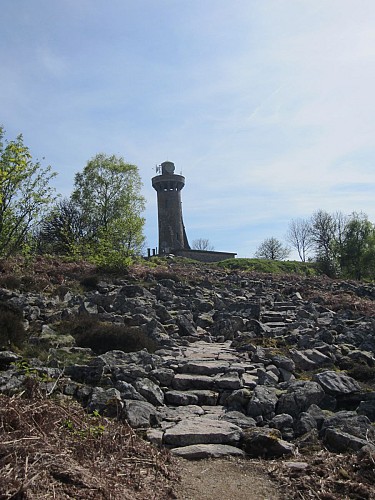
204 256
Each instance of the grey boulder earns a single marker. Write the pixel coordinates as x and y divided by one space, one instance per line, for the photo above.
265 443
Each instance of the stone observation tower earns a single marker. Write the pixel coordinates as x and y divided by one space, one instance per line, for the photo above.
168 185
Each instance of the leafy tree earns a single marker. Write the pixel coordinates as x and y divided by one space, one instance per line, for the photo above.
202 244
272 249
25 193
299 236
358 247
64 230
326 234
107 193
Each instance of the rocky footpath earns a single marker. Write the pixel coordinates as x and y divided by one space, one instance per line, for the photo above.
245 365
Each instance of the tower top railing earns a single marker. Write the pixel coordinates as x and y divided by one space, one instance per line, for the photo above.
168 182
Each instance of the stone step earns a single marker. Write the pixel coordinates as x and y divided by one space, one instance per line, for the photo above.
284 306
202 351
272 313
276 324
186 381
197 397
202 431
230 380
205 367
271 318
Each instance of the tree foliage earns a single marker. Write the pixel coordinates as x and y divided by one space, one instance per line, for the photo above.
341 245
323 229
25 193
357 257
107 194
273 249
64 230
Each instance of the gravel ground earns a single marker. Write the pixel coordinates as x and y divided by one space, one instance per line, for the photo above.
224 479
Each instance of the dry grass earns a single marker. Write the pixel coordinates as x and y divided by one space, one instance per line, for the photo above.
42 274
344 301
48 450
327 476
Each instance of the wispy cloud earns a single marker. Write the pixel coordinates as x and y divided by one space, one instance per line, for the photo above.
267 106
52 63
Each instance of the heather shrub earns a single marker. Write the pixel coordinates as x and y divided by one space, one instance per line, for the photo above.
10 281
101 337
167 275
12 330
34 283
362 372
90 282
61 291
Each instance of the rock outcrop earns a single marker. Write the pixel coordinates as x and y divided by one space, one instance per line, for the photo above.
243 365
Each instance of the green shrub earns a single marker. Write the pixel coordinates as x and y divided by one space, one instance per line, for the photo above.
101 337
12 330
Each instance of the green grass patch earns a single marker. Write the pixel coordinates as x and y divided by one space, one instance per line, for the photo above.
270 266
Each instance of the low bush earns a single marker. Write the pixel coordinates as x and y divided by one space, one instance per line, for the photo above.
34 283
101 337
12 330
90 282
362 372
61 291
167 275
10 282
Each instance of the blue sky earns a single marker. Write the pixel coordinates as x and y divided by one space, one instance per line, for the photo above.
266 106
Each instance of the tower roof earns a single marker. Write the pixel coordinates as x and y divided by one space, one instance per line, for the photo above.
167 168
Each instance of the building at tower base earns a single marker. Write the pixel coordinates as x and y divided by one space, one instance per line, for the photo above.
205 255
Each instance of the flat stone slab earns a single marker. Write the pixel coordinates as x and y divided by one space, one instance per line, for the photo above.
181 398
202 431
202 451
201 351
180 412
205 398
213 412
229 381
209 367
198 397
275 324
184 382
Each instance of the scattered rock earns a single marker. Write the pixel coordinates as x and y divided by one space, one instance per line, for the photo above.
265 443
336 384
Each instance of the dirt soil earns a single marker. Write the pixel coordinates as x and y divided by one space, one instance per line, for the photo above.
321 476
224 479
